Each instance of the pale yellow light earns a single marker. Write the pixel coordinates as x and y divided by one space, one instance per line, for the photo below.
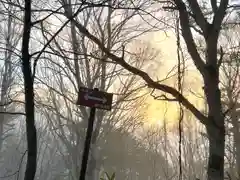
157 111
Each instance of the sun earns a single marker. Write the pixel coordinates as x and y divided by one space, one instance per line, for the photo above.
156 112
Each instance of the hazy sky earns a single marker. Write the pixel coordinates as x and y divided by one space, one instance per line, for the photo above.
157 110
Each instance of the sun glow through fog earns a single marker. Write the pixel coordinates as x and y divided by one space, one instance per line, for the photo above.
157 111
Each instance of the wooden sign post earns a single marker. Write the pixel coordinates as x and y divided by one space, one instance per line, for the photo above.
92 98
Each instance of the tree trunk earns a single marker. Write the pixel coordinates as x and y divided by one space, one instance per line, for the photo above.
3 101
236 140
1 130
216 153
215 126
215 123
29 97
6 79
237 149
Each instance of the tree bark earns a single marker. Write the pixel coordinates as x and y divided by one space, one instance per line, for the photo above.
4 87
215 125
236 140
215 169
29 97
216 132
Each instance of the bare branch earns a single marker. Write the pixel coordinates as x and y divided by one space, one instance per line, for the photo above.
219 15
198 16
43 19
13 113
221 57
10 102
164 98
49 41
188 37
150 82
214 5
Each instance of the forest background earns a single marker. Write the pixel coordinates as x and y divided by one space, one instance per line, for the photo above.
173 67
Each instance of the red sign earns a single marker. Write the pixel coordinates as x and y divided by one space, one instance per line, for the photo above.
94 98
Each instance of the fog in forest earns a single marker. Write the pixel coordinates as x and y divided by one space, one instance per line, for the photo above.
119 90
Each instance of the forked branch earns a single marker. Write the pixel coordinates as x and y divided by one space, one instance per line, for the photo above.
150 82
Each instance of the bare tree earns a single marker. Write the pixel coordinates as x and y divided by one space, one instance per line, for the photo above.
75 65
207 66
9 42
231 93
96 33
29 95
